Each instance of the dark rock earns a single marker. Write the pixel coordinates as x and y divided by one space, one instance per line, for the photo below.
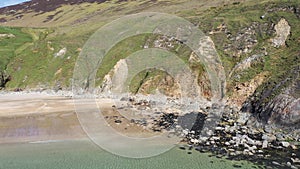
283 108
182 148
237 166
4 79
118 121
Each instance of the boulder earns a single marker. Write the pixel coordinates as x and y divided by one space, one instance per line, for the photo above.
285 144
265 144
268 137
282 29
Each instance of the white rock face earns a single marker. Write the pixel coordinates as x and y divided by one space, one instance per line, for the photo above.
282 29
114 80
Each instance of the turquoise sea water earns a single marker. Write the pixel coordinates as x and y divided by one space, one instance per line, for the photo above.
83 154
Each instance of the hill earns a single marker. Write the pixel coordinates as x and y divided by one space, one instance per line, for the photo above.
47 37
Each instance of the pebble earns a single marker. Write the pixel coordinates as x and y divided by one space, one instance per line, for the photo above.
227 143
219 128
260 151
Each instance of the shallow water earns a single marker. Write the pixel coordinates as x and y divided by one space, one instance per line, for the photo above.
83 154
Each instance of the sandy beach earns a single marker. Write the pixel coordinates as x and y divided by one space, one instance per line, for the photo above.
38 117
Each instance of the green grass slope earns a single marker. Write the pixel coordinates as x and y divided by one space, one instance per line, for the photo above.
33 61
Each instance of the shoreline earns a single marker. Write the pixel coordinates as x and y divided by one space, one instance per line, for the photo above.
237 136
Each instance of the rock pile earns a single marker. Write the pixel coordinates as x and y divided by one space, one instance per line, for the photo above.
240 136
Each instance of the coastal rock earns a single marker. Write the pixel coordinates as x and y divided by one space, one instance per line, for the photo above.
195 141
285 144
243 118
294 147
279 101
265 144
227 143
295 160
268 137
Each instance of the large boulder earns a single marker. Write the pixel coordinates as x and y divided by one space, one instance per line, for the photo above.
283 30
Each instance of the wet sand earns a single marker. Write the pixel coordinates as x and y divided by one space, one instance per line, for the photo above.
37 117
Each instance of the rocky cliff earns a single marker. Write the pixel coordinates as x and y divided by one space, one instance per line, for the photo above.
278 102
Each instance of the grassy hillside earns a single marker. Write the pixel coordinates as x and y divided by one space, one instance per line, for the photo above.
34 59
12 42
